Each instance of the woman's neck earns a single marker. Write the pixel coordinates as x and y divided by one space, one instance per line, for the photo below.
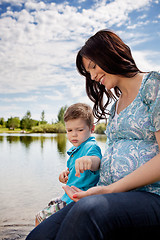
129 89
130 86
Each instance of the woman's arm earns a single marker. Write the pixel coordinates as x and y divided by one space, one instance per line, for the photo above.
142 176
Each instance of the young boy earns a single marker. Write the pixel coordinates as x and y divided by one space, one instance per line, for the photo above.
84 156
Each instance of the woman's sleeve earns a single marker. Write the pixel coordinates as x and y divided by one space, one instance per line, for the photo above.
151 97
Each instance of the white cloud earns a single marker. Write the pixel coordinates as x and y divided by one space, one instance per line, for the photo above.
13 2
19 99
38 45
142 16
139 24
77 89
32 5
56 96
134 38
145 60
11 110
81 1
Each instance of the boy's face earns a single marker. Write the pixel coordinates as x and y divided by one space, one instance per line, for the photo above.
77 131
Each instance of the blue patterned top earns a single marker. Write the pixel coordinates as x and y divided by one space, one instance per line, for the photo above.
131 142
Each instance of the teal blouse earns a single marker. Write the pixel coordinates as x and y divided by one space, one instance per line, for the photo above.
131 140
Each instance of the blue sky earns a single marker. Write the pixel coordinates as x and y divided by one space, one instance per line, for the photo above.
39 41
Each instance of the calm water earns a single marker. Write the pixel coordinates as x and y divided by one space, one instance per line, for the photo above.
29 168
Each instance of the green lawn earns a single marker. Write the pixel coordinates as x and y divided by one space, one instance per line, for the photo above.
7 130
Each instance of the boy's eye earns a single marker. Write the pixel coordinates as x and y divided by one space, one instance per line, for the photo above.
80 130
69 130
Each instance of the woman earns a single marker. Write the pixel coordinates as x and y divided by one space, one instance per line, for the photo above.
126 202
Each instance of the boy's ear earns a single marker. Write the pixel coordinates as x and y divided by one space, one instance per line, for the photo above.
92 129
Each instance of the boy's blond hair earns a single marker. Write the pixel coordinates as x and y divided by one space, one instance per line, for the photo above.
80 110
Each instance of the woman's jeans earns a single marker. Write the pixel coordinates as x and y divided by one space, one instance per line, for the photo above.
128 215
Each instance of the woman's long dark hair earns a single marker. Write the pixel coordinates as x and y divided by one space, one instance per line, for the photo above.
112 55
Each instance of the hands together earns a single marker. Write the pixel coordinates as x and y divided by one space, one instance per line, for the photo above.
76 194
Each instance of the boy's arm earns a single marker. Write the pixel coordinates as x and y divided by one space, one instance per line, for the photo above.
87 163
95 163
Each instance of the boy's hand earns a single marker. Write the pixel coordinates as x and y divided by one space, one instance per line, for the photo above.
63 176
82 164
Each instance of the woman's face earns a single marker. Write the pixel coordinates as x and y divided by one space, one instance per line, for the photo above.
98 75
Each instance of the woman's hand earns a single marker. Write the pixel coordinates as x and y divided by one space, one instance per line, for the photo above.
72 191
63 176
76 194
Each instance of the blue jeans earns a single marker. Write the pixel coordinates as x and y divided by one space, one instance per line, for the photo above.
128 215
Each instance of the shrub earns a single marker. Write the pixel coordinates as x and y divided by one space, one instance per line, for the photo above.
100 128
60 128
49 128
37 129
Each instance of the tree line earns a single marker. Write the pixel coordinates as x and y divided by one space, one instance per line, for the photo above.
27 123
42 126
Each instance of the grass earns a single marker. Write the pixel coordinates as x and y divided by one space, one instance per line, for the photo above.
7 130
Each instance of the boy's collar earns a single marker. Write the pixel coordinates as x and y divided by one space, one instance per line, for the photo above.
73 148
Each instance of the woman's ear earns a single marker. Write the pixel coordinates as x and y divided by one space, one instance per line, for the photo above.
92 129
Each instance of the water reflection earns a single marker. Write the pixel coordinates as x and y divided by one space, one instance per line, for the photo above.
27 140
101 138
1 138
29 169
61 140
13 139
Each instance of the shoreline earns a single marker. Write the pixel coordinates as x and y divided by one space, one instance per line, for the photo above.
15 231
13 131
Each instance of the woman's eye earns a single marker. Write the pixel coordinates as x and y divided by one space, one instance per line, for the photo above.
94 66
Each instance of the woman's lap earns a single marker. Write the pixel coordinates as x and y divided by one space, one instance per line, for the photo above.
129 215
47 230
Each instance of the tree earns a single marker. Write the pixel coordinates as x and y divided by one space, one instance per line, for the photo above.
2 122
61 114
28 115
43 121
13 123
26 122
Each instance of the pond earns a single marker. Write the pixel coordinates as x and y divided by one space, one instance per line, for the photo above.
29 169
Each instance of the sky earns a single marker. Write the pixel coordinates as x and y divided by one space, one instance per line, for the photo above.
39 41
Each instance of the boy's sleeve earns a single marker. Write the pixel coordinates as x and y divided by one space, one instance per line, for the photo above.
94 150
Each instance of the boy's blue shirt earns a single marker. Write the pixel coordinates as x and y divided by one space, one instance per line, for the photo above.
89 178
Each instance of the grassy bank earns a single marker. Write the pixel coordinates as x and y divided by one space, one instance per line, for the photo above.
7 130
50 128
